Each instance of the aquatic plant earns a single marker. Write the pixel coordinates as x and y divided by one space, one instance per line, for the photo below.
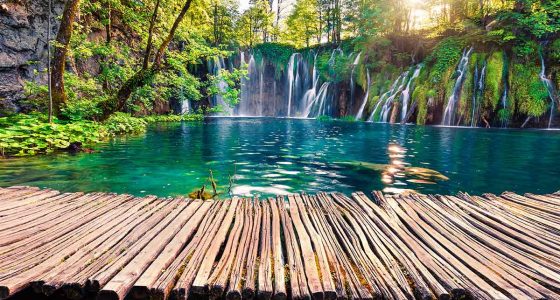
493 85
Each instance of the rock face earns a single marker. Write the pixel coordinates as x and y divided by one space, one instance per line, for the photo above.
23 47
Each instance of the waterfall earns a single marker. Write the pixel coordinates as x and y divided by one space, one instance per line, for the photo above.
366 96
352 83
318 106
185 106
293 79
478 91
217 66
382 99
247 104
450 109
309 96
549 87
406 93
386 99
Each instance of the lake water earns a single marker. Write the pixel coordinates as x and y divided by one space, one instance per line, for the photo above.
265 156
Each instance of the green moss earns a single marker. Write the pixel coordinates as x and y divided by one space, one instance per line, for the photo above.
276 53
494 76
445 57
527 92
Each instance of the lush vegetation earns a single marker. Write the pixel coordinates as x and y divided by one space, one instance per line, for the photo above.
121 64
31 134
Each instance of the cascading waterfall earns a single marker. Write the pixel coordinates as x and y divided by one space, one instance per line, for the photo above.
406 92
450 109
217 65
293 79
360 113
478 91
309 96
549 87
386 100
319 106
352 83
391 93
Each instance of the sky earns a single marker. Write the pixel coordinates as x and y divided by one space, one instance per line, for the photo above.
243 5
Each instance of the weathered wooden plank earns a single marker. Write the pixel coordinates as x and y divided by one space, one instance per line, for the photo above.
443 223
265 271
219 278
169 277
251 265
235 287
277 254
431 237
67 271
424 282
347 280
307 254
184 284
298 281
200 283
123 256
119 285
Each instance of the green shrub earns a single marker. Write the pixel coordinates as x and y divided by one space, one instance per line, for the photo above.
22 135
122 123
527 91
494 76
174 118
445 56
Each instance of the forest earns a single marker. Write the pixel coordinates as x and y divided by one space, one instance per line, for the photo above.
94 69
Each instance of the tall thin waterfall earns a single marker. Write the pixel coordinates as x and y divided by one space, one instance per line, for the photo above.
549 87
309 96
319 105
406 92
478 91
217 66
387 96
360 113
450 109
352 83
293 79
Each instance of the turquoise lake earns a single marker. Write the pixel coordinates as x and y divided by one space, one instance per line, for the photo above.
266 156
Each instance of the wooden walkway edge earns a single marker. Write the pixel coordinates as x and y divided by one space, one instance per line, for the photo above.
325 246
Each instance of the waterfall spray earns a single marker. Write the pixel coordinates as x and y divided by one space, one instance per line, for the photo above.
352 83
450 109
364 101
549 87
293 75
406 93
217 66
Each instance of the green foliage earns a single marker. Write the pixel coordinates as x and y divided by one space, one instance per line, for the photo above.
276 53
23 135
333 67
422 94
174 118
121 123
527 91
226 84
494 76
526 49
444 57
303 24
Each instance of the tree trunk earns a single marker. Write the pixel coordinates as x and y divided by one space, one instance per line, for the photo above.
144 75
49 60
59 59
148 52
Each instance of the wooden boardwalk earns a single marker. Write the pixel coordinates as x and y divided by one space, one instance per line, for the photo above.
327 246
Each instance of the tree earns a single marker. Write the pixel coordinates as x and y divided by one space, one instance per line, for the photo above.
303 23
146 73
63 37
